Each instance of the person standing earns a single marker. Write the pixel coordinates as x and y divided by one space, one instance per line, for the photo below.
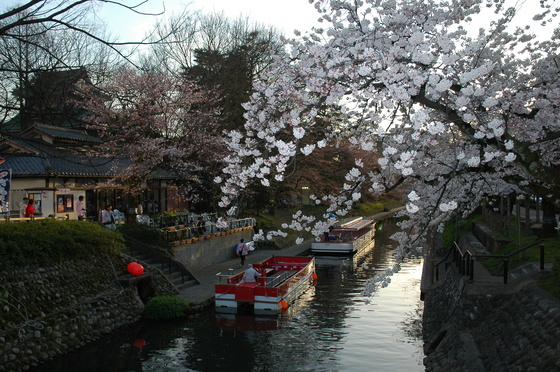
200 226
250 275
242 251
23 206
30 209
80 208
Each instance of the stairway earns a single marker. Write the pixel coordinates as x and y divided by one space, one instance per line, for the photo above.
179 276
527 270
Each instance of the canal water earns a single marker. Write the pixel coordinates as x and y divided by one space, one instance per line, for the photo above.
331 327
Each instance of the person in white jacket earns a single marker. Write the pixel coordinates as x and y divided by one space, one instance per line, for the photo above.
250 275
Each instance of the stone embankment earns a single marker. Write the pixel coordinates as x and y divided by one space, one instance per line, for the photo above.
475 333
47 311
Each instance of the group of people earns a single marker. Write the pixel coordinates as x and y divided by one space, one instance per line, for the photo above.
222 224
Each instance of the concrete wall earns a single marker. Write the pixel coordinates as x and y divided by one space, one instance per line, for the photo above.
195 256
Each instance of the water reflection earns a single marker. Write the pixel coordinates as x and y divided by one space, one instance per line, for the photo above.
331 327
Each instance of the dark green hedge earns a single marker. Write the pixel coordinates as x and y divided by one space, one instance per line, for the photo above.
50 241
165 307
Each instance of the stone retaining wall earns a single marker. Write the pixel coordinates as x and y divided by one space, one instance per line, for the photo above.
488 238
204 253
516 332
47 311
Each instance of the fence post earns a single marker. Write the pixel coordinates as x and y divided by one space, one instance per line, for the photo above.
506 270
542 256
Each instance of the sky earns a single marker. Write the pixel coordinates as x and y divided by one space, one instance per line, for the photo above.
286 15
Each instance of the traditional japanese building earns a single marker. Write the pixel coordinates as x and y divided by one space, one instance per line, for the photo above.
54 166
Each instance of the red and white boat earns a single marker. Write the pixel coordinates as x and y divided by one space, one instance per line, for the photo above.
283 278
348 236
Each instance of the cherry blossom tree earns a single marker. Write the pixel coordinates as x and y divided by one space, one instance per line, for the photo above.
455 113
154 122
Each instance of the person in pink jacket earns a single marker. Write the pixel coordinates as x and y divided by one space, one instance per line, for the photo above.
242 251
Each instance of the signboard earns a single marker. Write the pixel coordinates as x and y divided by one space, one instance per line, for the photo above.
64 203
5 182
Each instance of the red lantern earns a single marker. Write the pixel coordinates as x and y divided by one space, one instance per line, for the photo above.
137 270
140 343
130 266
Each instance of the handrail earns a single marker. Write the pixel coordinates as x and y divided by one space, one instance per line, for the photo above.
442 261
466 263
163 258
513 253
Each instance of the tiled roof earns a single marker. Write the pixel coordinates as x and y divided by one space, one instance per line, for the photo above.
70 165
41 165
69 134
38 158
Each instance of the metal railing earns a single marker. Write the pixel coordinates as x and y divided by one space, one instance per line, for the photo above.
182 218
181 232
465 261
444 261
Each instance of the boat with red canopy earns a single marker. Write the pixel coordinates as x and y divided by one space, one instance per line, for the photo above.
282 279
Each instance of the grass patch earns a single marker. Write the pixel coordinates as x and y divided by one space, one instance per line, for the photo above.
551 285
458 226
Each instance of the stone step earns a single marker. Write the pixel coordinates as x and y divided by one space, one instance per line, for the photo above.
524 271
175 275
185 285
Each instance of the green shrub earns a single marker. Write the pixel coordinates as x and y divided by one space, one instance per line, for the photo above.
51 241
552 282
555 272
165 307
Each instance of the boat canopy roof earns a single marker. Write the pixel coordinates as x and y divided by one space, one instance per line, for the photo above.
352 224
